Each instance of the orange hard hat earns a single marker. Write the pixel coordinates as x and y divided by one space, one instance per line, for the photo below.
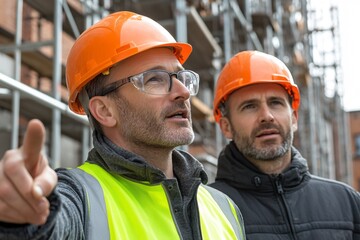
252 67
114 38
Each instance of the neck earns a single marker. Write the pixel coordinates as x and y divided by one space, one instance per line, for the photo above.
159 157
275 166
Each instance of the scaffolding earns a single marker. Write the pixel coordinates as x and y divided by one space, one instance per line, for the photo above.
34 45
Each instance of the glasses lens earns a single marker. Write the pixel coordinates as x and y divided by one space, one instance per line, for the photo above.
159 81
190 79
152 82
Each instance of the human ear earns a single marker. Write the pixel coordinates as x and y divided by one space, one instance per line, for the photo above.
294 118
225 127
101 109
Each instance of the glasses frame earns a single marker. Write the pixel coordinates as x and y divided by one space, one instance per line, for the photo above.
119 83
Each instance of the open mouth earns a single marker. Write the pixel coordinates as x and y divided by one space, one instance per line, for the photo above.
179 114
267 132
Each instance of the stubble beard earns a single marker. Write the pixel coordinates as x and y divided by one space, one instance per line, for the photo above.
143 127
269 151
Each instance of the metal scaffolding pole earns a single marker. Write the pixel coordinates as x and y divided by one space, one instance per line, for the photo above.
17 74
219 138
40 98
56 115
181 31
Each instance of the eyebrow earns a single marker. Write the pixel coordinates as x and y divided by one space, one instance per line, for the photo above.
159 67
240 105
255 100
248 101
277 98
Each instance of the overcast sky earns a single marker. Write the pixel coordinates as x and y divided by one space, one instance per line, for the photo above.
349 18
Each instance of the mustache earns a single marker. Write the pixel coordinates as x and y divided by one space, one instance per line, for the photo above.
265 126
180 105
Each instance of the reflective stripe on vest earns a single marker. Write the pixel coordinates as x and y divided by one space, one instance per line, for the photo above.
124 209
228 209
96 208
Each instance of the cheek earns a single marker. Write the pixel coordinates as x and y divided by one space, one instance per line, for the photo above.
242 126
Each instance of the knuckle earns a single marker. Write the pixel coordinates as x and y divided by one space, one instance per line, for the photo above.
5 189
9 153
11 163
50 181
54 176
3 208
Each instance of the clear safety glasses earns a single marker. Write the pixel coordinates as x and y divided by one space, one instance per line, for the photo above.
157 82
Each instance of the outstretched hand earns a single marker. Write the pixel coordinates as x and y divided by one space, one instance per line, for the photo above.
26 179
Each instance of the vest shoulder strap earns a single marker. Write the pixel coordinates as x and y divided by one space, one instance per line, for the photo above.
97 209
230 209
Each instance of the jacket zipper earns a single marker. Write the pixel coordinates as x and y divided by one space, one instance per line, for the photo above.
280 192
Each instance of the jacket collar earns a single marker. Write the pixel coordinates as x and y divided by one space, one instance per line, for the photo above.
120 161
235 169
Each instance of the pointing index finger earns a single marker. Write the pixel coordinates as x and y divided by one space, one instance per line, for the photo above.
33 142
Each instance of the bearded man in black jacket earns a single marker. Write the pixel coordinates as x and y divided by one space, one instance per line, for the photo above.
256 105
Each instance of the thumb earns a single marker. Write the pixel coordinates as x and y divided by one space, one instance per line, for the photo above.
33 142
45 182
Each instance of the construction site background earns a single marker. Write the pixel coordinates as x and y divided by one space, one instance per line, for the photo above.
36 35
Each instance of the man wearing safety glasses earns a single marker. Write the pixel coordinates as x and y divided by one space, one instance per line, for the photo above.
125 73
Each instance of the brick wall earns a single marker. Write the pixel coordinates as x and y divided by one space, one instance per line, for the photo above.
354 118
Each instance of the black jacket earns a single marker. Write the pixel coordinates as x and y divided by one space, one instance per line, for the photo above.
292 205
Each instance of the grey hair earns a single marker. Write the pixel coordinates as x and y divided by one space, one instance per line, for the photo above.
224 109
91 89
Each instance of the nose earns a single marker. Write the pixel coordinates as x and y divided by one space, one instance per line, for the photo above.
178 89
266 114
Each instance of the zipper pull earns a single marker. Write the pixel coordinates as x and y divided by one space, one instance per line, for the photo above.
278 184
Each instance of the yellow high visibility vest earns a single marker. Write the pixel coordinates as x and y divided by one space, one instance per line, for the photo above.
120 208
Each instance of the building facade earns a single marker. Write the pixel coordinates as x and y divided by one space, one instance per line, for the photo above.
354 119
